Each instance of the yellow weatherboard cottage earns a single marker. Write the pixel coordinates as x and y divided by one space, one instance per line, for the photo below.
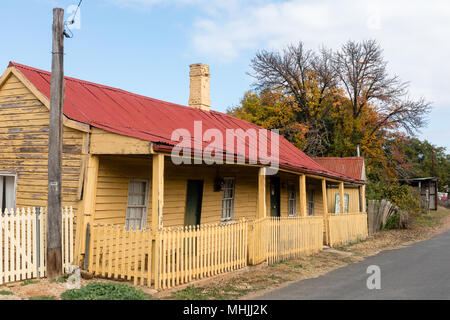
140 216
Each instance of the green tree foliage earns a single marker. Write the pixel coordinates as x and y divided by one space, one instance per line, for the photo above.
399 195
427 160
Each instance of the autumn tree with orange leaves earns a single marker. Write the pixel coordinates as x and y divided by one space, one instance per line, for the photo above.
326 103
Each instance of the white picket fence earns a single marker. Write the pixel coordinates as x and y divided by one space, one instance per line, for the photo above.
23 243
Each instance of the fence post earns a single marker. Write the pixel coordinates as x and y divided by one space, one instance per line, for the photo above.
38 240
251 246
156 257
86 251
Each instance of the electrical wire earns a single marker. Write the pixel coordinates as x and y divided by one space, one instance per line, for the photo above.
68 23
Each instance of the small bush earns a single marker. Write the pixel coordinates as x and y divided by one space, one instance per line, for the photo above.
392 222
6 293
104 291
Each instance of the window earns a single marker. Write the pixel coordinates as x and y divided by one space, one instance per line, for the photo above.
310 202
337 203
228 199
137 206
291 199
7 191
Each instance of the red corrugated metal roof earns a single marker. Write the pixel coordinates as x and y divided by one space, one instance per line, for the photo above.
349 166
133 115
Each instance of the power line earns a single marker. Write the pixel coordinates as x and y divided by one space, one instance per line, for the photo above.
76 11
67 23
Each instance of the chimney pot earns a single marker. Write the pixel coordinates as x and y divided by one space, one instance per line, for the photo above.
199 86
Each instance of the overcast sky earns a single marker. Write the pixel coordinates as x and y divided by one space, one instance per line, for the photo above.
146 46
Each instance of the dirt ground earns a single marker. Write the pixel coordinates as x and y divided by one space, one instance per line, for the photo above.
251 281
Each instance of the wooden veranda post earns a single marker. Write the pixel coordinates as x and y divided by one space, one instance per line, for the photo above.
54 250
341 198
157 209
262 210
363 198
302 191
87 205
325 210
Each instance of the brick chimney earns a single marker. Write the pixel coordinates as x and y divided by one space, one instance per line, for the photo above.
199 87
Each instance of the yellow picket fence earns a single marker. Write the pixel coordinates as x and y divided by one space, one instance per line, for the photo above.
118 253
347 228
23 243
275 239
182 254
195 252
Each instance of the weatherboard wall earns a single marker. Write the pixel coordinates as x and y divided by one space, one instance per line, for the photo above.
24 126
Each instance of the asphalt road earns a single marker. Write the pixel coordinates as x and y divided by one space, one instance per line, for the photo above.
420 271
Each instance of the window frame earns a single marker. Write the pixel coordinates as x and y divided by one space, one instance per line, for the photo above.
14 175
231 217
337 208
144 217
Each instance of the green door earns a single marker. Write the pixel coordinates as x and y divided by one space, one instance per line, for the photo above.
193 202
274 196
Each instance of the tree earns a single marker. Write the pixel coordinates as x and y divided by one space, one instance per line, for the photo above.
271 111
362 73
340 99
427 160
307 83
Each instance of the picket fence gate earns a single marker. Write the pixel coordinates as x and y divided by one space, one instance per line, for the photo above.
23 243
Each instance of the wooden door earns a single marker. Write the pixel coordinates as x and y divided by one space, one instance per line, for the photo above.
194 197
274 196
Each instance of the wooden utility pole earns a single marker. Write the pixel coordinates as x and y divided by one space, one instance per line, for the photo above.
54 215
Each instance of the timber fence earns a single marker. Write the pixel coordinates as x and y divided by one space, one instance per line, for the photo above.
275 239
178 255
23 243
195 252
347 228
118 253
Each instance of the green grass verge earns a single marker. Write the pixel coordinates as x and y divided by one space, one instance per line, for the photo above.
104 291
6 293
28 282
431 219
227 292
42 298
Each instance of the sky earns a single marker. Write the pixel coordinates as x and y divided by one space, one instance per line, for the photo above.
146 46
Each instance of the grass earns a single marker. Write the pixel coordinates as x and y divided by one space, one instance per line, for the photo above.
189 293
432 219
105 291
42 298
60 280
28 282
221 292
229 289
6 293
